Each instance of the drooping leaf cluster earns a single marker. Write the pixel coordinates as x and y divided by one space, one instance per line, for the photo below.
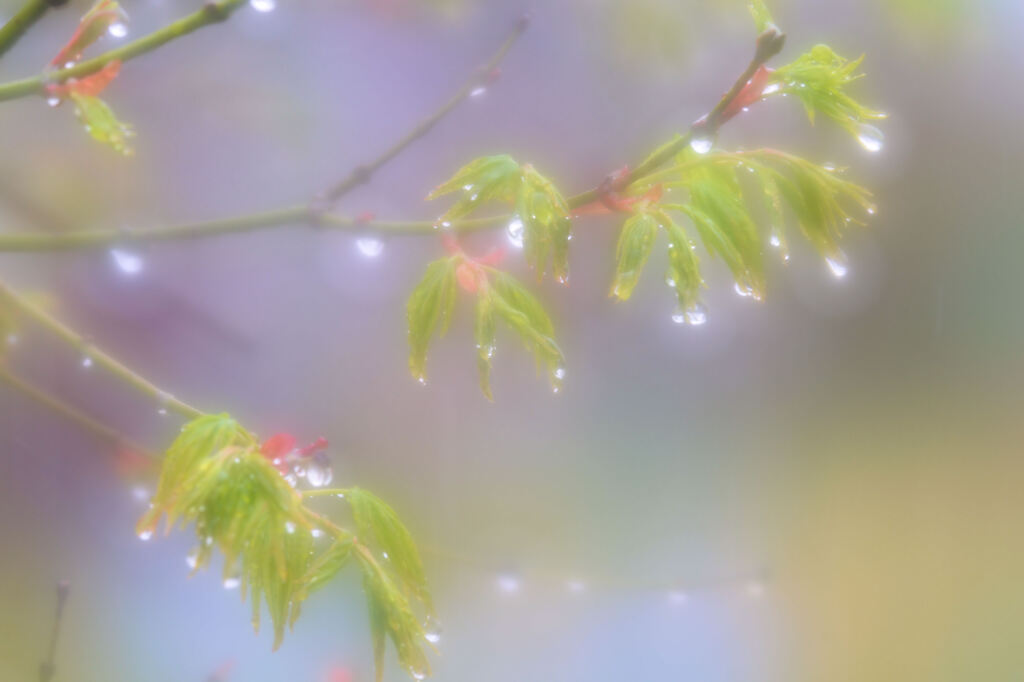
215 478
737 203
499 296
535 200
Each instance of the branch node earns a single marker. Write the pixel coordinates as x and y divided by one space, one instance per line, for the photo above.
769 44
215 10
524 22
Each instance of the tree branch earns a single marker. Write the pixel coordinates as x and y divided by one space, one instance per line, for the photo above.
48 667
212 12
362 173
98 357
23 20
71 413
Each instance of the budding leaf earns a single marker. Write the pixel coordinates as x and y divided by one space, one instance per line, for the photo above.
429 310
683 267
762 17
489 178
101 123
94 25
484 332
819 78
634 248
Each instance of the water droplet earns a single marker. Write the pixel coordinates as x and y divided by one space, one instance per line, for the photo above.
318 472
830 167
678 597
316 533
478 91
467 188
291 479
696 315
232 582
128 262
163 400
52 101
146 534
743 290
86 360
775 240
515 232
679 318
118 29
417 674
370 246
263 5
387 557
771 89
870 137
423 381
701 142
289 527
192 559
837 264
559 373
508 583
670 282
432 630
871 210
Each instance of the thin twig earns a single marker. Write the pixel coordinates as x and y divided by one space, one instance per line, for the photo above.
31 12
212 12
362 173
95 355
71 413
48 667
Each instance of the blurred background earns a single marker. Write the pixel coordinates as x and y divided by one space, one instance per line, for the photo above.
822 486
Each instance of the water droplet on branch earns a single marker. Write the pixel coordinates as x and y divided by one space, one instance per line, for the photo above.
128 262
701 142
118 29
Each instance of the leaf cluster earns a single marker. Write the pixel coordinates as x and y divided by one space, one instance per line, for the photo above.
215 478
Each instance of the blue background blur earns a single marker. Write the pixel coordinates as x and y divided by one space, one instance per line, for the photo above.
832 477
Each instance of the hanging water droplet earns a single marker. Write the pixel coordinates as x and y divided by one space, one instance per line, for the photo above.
559 373
837 264
701 142
771 89
872 209
679 318
192 559
52 101
515 232
775 240
232 582
289 527
870 137
743 290
478 91
695 315
417 674
118 29
128 262
146 534
86 360
291 479
370 246
263 5
432 630
670 282
422 380
318 471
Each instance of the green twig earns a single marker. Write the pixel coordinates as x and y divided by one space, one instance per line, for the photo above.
96 356
23 20
211 13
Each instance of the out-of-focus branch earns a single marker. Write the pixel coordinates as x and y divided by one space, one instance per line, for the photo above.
212 12
31 12
362 173
48 668
70 413
95 355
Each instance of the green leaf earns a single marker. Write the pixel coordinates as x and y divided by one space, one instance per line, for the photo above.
489 178
634 248
101 123
762 17
375 519
525 315
546 225
683 274
328 564
429 310
819 78
484 332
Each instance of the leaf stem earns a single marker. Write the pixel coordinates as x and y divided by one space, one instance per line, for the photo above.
214 11
22 21
97 356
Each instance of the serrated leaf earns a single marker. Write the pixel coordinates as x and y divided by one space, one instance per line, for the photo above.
484 332
101 123
375 519
683 267
94 25
429 310
636 239
525 315
546 225
489 178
